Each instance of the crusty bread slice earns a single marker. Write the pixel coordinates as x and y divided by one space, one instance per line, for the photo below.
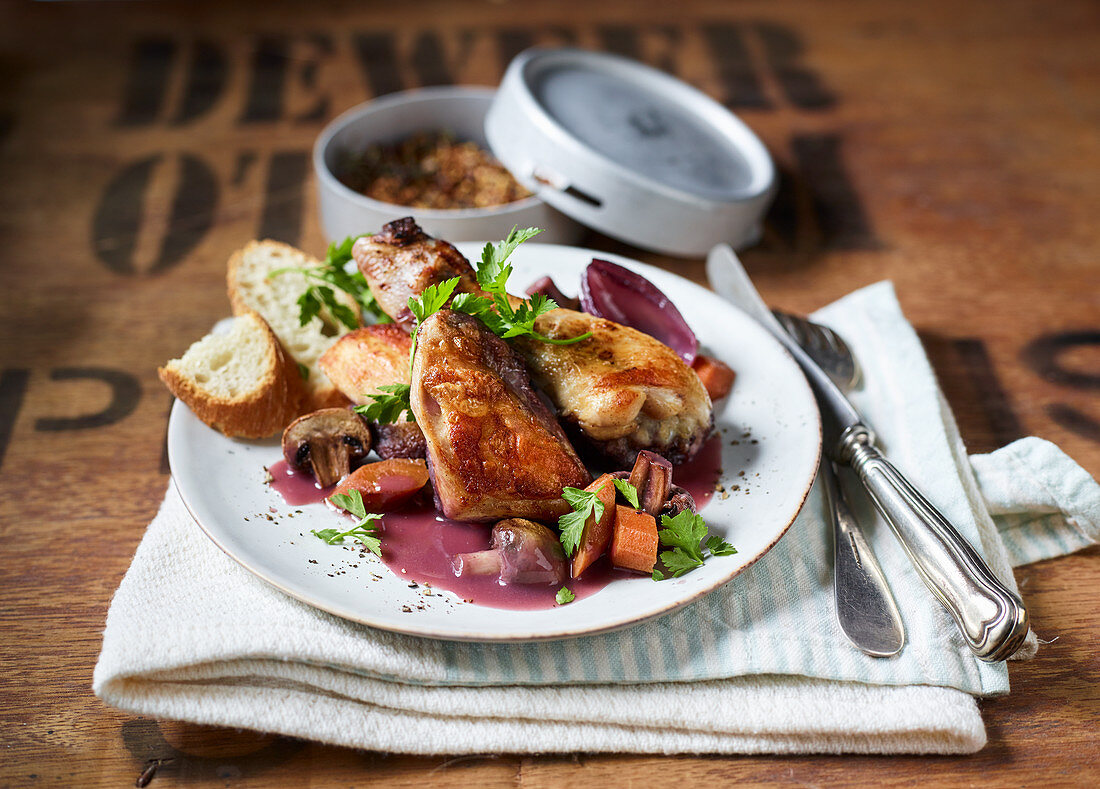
240 382
367 358
275 298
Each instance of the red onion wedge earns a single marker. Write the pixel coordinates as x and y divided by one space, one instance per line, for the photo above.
618 294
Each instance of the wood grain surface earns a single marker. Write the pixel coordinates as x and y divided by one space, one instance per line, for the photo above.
951 147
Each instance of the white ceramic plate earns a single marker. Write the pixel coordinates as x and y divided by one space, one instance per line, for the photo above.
222 482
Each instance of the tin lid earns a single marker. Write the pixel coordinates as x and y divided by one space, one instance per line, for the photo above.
630 151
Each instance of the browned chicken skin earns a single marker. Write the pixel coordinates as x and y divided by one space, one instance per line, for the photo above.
358 364
621 390
494 449
402 260
364 359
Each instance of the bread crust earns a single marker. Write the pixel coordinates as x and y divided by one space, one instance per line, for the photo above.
237 300
274 402
319 391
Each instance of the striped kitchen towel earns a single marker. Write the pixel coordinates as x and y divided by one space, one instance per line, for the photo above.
757 666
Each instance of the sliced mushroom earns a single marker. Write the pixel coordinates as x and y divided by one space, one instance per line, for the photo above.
522 552
652 478
678 501
398 440
327 443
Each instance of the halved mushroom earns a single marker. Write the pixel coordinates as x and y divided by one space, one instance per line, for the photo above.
678 501
522 552
327 443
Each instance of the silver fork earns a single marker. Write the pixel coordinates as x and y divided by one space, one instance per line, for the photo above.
826 347
865 608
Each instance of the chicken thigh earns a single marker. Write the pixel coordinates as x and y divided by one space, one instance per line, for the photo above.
494 449
621 389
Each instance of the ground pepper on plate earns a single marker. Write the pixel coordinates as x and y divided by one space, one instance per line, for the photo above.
431 169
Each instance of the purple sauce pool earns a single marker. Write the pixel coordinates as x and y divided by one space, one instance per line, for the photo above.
296 487
418 543
700 474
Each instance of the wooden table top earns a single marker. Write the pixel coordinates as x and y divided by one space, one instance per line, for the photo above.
951 147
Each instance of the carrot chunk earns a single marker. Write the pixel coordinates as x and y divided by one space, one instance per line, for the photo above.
716 376
597 533
387 484
634 540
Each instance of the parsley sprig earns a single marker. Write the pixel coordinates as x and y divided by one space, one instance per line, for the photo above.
388 407
571 524
395 398
629 492
364 532
334 273
684 535
565 595
585 503
496 310
431 301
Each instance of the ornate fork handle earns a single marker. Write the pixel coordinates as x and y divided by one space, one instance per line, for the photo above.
992 619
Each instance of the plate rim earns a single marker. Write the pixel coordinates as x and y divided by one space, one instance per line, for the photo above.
464 634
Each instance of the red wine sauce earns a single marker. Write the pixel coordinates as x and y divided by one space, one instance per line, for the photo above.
420 544
296 487
700 474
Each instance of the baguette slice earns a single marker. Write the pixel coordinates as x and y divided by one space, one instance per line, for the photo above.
241 382
276 300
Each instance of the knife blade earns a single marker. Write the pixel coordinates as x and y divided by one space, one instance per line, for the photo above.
865 608
991 618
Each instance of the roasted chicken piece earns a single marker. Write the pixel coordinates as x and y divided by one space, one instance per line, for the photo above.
365 359
621 390
402 260
494 448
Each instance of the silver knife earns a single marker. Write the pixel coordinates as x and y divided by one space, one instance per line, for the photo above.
865 609
992 619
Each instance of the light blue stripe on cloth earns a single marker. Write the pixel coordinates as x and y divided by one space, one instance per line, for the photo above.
777 617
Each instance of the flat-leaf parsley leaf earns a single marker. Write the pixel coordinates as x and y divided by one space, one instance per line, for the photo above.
387 407
584 503
629 492
565 595
334 272
507 316
364 532
684 535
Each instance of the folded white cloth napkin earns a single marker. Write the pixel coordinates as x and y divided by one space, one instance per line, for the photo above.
758 666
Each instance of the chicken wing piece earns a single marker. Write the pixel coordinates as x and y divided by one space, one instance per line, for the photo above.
402 260
494 449
365 359
621 389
